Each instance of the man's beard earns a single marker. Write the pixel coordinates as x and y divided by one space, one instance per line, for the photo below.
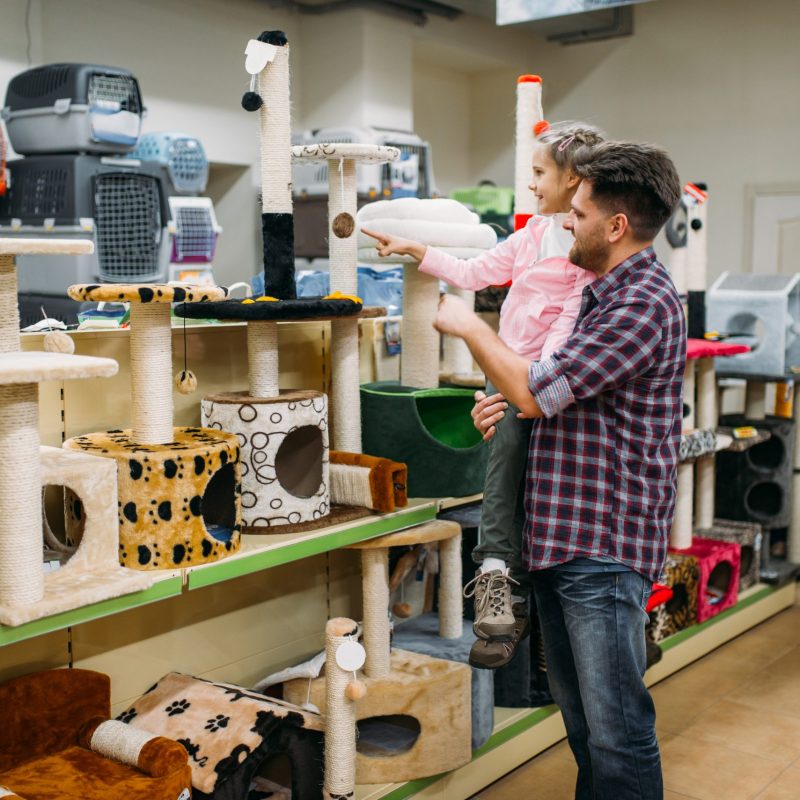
591 254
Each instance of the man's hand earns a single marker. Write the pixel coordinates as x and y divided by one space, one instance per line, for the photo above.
454 316
487 412
389 245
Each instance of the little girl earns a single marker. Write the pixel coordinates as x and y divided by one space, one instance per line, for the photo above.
537 317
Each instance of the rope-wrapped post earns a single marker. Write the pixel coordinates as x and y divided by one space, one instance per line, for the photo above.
276 135
755 399
9 311
529 112
343 246
151 373
451 611
262 358
340 715
419 361
706 418
21 575
456 353
375 583
681 535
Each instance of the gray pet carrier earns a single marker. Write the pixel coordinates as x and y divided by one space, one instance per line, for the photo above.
182 157
117 202
73 108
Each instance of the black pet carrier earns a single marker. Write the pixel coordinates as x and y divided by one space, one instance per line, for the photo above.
117 202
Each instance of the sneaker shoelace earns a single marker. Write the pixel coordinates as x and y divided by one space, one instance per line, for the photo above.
493 584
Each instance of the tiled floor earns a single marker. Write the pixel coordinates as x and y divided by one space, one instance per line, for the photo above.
728 725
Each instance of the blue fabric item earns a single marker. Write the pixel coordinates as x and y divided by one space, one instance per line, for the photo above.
593 626
421 635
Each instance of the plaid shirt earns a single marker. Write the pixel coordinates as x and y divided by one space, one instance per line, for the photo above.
602 463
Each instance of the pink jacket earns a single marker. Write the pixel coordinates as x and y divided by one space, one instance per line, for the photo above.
544 300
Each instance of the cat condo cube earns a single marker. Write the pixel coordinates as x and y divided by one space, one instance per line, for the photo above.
93 572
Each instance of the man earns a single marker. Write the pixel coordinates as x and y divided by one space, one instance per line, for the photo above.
600 490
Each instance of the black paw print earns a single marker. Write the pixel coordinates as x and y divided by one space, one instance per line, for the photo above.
220 721
178 707
127 716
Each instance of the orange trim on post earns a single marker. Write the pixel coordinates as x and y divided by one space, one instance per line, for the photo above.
529 79
521 220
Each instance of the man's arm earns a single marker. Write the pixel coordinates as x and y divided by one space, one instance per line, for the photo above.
506 370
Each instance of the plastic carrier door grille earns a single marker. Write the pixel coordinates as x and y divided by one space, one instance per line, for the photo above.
187 165
422 154
114 89
128 219
196 237
321 175
40 82
42 193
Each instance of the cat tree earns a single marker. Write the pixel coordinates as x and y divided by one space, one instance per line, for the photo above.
433 692
179 487
93 573
284 434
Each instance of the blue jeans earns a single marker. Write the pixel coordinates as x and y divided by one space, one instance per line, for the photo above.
593 630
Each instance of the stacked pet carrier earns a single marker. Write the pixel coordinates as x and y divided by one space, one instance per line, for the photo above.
410 176
193 228
76 126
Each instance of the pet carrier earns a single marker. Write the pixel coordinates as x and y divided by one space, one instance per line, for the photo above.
182 157
193 230
118 202
73 108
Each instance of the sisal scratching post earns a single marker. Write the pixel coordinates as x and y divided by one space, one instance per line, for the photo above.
681 535
341 160
457 356
9 311
262 358
375 583
340 714
151 373
529 112
697 239
706 419
21 574
419 365
755 399
451 611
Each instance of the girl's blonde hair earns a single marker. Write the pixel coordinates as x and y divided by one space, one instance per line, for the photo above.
564 139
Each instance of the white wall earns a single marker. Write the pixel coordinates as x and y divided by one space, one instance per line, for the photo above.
716 84
442 117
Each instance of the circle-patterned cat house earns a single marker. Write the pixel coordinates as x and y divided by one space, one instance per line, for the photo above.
179 487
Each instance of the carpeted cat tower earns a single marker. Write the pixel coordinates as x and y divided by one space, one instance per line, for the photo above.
415 717
179 487
93 572
427 427
284 434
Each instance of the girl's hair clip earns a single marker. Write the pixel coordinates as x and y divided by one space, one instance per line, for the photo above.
540 127
566 143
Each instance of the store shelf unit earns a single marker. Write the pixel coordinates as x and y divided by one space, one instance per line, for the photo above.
521 734
257 553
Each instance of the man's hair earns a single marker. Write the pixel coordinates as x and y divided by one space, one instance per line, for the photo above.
638 180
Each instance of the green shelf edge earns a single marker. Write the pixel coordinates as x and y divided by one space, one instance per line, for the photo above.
226 570
169 587
537 715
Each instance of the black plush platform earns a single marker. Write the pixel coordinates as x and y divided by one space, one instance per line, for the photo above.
270 310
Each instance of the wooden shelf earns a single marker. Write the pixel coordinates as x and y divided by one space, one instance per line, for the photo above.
522 733
257 553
